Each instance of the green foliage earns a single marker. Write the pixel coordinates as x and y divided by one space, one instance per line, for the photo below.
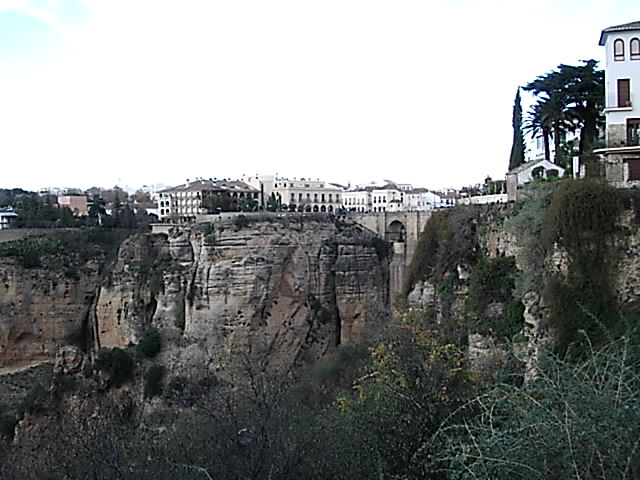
153 381
241 221
34 401
582 218
35 211
151 343
179 320
575 420
381 247
517 147
8 423
117 363
413 382
569 95
448 240
65 251
493 281
526 224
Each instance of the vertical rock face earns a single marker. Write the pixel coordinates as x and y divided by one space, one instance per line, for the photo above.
283 293
40 311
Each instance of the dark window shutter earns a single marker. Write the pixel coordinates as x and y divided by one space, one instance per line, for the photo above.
624 92
634 169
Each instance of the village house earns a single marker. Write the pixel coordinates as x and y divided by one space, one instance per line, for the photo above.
621 156
7 218
527 172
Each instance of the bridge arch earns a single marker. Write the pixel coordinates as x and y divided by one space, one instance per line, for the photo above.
395 231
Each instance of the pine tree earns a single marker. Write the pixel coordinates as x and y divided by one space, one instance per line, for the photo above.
517 148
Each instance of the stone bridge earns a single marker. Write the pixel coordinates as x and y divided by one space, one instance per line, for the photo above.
402 229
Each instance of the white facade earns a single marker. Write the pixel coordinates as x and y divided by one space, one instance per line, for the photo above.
421 200
622 67
391 198
381 199
357 201
305 195
7 218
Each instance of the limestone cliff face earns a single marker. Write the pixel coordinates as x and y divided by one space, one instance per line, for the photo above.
41 310
283 293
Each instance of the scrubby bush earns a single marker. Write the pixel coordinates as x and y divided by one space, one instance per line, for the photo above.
575 420
151 343
241 221
153 381
493 281
117 363
34 401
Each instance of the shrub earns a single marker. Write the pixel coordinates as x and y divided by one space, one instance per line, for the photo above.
381 247
117 363
153 381
34 401
493 280
582 218
151 343
575 420
448 240
8 425
241 221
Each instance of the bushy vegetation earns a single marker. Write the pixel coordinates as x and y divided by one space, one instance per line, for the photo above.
153 381
117 363
151 343
582 219
448 240
575 420
65 251
493 281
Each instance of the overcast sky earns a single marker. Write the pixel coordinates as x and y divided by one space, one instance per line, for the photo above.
133 92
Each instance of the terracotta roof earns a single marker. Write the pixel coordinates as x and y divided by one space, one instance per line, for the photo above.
626 27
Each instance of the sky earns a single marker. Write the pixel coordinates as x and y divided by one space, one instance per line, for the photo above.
140 92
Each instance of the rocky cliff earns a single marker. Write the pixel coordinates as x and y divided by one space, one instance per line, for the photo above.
42 310
285 291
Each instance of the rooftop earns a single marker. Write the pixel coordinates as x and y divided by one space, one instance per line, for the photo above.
625 27
212 185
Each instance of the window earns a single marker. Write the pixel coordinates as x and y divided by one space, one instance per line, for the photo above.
618 50
633 131
635 49
633 165
624 92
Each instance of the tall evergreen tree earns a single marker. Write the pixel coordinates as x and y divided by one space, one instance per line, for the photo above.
517 148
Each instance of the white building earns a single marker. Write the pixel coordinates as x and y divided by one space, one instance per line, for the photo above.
421 200
528 172
302 195
7 218
382 198
184 202
357 200
621 157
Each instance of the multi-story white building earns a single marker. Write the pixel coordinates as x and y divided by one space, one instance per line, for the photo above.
358 200
421 200
184 202
302 195
621 157
390 197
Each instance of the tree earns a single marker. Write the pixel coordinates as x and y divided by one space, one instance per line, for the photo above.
96 209
538 124
517 147
569 98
